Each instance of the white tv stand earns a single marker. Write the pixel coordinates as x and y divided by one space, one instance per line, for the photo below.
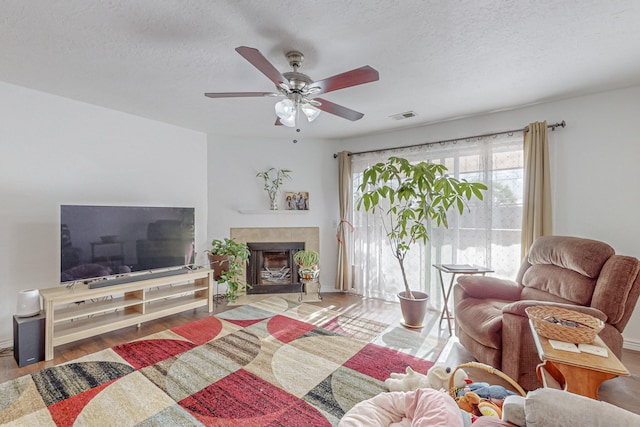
75 313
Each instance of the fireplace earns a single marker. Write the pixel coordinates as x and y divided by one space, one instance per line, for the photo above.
307 238
271 268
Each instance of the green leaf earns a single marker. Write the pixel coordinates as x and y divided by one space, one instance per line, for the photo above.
477 192
367 202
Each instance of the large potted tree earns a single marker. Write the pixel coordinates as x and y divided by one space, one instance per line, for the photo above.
408 197
226 259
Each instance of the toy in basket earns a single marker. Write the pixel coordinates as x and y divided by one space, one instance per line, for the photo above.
482 398
558 323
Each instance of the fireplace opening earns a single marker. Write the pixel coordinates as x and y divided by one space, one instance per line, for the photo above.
271 268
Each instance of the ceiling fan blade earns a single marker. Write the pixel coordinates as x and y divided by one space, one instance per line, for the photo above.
239 94
261 63
338 110
355 77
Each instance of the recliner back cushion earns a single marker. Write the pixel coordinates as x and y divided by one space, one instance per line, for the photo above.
583 256
567 285
565 268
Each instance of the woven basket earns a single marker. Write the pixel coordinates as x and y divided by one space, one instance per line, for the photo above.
585 331
453 391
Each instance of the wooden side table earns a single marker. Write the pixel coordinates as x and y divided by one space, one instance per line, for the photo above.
454 270
579 373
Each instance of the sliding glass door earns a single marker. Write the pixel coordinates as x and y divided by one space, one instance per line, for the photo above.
488 234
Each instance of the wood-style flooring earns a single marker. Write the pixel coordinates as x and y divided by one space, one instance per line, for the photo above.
386 312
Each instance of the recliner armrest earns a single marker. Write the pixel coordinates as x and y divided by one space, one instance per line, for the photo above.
518 308
513 410
547 407
489 287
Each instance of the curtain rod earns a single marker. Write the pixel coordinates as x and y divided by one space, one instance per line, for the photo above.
484 135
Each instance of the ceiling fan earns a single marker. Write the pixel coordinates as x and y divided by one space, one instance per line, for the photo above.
299 90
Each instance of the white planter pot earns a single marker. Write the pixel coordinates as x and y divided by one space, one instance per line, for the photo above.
413 310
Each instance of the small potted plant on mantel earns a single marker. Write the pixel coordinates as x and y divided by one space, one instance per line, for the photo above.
409 197
272 183
226 258
308 263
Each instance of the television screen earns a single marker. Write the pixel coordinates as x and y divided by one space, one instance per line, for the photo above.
103 241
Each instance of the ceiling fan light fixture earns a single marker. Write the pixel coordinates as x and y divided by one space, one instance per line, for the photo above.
289 121
286 111
285 108
310 111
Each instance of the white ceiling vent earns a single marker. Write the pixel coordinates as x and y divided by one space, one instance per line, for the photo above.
402 116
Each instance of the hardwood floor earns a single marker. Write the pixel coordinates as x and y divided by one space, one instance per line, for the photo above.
631 360
387 312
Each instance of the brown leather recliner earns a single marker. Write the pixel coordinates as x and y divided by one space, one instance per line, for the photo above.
579 274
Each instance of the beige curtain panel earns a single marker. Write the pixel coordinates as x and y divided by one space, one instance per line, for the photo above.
343 272
536 209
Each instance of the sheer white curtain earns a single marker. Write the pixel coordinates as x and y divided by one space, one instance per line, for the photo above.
488 235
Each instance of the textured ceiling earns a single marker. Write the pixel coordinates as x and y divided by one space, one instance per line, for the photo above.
440 59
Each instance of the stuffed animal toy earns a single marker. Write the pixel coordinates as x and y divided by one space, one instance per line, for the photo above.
472 403
482 399
495 393
409 381
491 392
488 409
469 402
437 378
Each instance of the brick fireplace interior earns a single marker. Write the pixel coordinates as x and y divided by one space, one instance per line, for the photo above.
271 268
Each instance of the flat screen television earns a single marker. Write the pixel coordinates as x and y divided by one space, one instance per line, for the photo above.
99 242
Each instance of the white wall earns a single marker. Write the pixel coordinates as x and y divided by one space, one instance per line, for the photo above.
594 160
57 151
233 186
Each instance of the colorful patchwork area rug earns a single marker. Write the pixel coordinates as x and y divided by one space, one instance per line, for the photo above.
269 363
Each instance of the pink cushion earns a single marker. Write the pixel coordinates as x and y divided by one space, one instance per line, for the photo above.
424 407
490 421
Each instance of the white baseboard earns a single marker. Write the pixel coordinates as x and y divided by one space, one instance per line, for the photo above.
631 345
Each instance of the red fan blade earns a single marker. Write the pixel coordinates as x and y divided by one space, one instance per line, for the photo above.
355 77
239 94
339 110
261 63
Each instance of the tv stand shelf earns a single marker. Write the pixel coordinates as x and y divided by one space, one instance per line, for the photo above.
75 313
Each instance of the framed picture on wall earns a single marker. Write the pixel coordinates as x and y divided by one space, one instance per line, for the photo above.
297 201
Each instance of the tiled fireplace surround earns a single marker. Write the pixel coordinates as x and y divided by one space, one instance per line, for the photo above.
310 236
